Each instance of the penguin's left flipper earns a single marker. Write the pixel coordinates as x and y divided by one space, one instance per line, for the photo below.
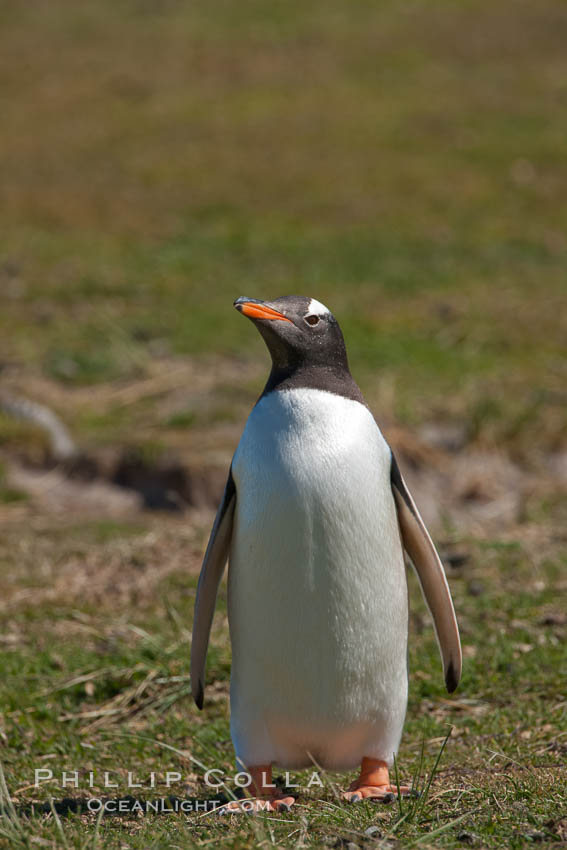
420 548
209 580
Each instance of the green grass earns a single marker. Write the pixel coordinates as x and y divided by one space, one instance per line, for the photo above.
404 165
94 687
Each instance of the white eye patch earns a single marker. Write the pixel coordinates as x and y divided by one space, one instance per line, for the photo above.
317 308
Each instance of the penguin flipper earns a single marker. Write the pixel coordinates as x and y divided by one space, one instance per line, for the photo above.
429 569
207 588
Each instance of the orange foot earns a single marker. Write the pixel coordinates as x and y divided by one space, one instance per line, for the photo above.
374 784
265 797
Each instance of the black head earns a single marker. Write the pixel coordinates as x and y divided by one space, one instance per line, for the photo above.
305 342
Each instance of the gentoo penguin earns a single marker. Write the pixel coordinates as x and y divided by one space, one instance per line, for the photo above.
314 520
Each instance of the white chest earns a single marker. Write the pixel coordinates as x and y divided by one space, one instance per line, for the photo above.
314 461
315 520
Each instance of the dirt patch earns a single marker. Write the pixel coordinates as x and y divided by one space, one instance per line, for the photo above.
52 492
470 490
169 485
456 483
118 483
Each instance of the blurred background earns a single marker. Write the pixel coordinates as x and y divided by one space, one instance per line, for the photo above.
402 161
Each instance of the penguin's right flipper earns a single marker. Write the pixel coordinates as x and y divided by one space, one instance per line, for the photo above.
209 580
420 548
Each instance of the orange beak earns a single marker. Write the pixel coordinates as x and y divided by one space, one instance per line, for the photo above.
259 311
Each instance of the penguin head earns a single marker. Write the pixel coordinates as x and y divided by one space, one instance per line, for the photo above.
297 330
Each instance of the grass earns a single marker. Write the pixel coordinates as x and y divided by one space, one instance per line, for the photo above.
408 176
104 687
403 163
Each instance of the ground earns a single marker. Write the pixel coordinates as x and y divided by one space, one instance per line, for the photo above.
404 164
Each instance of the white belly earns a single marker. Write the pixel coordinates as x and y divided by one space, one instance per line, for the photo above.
317 587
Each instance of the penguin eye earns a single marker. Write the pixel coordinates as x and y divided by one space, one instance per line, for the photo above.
312 320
